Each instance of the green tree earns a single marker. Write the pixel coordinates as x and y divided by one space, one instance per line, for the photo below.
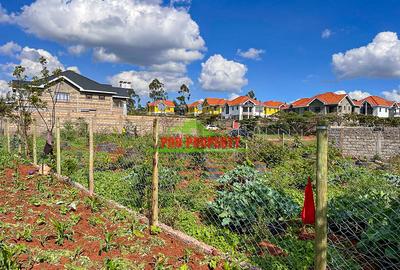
184 96
133 101
157 91
251 94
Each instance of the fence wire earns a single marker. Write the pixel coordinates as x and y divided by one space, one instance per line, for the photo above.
246 202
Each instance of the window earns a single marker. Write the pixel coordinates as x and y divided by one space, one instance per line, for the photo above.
380 109
118 103
63 97
102 97
89 96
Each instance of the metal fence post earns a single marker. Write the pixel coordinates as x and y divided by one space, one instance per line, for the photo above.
34 147
91 159
154 193
58 146
321 244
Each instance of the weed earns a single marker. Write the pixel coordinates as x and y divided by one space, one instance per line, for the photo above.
18 214
95 220
76 254
161 262
9 256
74 218
41 220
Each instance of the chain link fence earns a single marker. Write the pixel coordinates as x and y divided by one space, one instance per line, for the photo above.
244 201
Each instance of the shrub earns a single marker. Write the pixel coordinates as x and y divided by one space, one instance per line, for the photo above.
245 198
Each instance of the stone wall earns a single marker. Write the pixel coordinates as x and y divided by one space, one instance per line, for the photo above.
105 123
366 142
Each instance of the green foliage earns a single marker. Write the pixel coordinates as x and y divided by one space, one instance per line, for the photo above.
9 256
93 203
155 230
107 242
63 231
245 197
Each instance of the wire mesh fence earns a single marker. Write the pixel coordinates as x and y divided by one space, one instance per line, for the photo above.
244 200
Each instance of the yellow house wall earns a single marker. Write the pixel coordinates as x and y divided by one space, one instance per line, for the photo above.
270 111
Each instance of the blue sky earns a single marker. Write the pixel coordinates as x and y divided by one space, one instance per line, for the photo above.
206 44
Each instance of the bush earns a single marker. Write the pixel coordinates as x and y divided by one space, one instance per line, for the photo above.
244 199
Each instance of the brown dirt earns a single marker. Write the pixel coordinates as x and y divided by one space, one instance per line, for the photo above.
17 199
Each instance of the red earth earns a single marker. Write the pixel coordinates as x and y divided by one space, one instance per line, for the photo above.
30 205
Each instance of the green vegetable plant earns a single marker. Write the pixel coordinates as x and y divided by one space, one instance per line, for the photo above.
9 256
107 243
63 231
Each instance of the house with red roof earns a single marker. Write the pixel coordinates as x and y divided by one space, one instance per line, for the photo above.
213 106
161 107
380 107
243 107
325 103
195 108
271 107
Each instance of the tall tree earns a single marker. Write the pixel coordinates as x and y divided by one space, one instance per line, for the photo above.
133 101
157 91
184 92
251 94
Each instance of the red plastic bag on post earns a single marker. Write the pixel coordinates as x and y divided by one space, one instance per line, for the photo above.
308 212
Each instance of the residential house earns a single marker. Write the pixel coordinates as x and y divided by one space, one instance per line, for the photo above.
271 107
213 106
195 108
325 103
78 94
380 107
243 107
161 107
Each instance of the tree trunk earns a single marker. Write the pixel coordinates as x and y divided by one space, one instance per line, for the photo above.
48 148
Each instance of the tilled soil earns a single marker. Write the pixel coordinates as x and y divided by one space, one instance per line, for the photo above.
101 237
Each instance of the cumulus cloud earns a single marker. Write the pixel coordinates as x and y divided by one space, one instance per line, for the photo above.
29 58
10 48
251 53
76 49
219 74
4 88
141 79
232 96
327 33
380 58
74 69
393 95
356 94
142 33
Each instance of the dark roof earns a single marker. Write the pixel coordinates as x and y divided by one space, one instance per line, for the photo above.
89 85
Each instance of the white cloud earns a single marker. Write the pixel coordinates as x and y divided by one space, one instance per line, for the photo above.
142 33
380 58
220 74
10 48
4 17
327 33
393 95
76 49
29 58
232 96
74 69
251 53
4 88
356 94
141 79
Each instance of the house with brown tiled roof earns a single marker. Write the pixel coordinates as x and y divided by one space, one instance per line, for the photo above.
325 103
380 107
243 107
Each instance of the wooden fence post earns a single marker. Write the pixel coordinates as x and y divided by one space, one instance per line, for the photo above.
58 146
91 159
34 147
321 230
154 193
8 136
283 139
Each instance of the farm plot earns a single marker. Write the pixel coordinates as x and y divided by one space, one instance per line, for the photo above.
46 224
